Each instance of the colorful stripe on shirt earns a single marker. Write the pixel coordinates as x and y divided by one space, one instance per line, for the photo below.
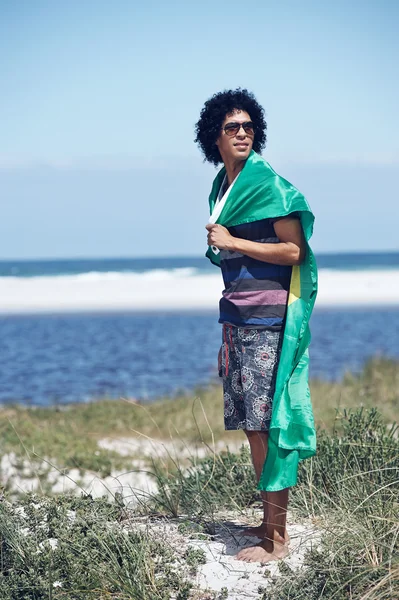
256 292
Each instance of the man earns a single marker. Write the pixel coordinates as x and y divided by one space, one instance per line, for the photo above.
258 234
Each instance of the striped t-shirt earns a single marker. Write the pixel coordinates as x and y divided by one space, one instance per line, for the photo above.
256 292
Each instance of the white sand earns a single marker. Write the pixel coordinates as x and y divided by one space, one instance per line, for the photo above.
221 569
168 291
134 482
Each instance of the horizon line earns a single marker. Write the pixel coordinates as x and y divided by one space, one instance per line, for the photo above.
177 256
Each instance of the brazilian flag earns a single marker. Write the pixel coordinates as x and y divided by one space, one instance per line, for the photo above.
260 193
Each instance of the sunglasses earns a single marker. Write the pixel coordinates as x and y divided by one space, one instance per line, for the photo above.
233 128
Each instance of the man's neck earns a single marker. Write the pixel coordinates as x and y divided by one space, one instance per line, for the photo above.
233 168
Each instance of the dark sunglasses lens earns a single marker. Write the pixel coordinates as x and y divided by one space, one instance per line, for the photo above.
231 128
248 127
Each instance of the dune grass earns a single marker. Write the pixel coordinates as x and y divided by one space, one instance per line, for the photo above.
69 434
77 548
350 489
84 549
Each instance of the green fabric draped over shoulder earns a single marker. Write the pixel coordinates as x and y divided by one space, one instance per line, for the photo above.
260 193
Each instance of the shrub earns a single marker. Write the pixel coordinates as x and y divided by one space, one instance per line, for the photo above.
76 548
352 487
224 481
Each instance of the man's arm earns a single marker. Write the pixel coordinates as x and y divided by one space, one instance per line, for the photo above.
290 250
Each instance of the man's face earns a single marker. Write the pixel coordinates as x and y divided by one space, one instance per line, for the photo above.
238 146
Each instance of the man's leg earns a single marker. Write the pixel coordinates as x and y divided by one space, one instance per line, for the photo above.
274 544
258 445
272 547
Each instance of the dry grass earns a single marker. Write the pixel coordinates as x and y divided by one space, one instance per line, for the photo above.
71 432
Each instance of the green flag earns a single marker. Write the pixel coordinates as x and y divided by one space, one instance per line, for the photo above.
259 193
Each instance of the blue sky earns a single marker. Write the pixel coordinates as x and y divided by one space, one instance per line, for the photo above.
98 103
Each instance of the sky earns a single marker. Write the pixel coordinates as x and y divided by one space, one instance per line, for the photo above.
98 103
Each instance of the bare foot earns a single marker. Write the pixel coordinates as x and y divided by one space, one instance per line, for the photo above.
264 552
260 532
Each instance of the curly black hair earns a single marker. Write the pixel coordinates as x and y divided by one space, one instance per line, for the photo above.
213 114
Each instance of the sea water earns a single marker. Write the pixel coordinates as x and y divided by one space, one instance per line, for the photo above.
74 350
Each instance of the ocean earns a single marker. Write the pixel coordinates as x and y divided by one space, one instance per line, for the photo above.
196 265
77 330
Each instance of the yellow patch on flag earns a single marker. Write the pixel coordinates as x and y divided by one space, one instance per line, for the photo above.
295 285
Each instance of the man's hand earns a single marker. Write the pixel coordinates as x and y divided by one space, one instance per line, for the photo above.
219 236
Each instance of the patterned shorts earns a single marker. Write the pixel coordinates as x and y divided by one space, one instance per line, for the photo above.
249 364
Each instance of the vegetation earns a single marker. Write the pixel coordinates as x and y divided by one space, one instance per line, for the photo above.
78 548
68 435
352 487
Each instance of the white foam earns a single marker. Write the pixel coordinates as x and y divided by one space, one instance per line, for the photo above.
156 274
152 274
358 288
175 289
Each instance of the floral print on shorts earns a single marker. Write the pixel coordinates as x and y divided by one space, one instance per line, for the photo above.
249 367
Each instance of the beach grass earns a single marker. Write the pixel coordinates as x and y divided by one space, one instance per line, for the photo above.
79 547
352 487
68 547
69 434
84 548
